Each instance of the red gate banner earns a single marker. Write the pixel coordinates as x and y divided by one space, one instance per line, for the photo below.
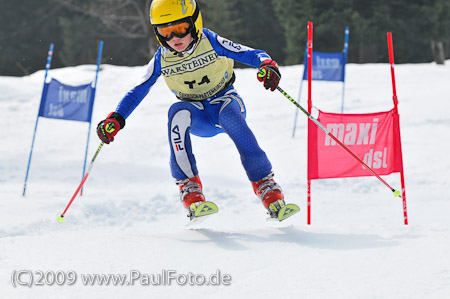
374 138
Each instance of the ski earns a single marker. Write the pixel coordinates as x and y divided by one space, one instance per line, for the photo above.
285 212
202 212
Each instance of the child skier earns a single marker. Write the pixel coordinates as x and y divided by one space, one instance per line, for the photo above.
197 65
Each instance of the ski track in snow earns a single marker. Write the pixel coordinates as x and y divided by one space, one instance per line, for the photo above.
130 217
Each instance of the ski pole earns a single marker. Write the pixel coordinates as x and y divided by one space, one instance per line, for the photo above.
396 192
61 217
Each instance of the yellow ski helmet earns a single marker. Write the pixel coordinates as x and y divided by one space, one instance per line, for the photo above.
165 13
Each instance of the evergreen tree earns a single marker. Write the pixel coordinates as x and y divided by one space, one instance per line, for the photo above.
433 26
293 16
222 18
27 28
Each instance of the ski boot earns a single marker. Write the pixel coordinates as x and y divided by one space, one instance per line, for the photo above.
272 198
192 197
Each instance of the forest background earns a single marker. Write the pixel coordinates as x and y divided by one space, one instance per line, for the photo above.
421 30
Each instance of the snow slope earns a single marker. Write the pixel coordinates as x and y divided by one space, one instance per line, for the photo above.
130 217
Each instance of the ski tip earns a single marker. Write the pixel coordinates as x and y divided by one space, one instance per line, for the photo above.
287 211
206 208
203 211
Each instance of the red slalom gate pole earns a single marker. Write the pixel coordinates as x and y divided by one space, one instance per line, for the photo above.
395 99
61 217
310 53
391 62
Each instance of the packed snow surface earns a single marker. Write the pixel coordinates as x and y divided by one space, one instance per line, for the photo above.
129 218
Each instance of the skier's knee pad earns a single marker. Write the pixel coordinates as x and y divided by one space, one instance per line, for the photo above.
233 114
176 107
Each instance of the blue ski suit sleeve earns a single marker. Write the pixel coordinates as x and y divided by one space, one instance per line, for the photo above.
240 53
134 97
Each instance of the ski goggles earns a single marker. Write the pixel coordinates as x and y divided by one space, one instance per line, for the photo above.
179 29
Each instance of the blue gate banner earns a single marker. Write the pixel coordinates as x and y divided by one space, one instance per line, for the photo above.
62 101
326 66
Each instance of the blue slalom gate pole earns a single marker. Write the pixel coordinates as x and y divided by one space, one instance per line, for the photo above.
347 31
47 67
305 63
296 111
99 58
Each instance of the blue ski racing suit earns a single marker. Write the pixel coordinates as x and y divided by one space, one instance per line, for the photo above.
202 79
